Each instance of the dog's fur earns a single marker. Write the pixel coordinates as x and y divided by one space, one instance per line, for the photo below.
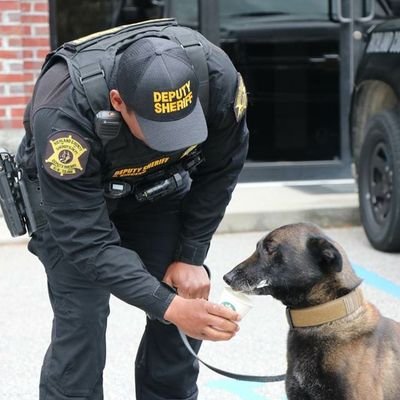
353 358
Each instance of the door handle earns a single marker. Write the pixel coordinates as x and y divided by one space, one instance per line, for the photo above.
371 14
365 18
341 18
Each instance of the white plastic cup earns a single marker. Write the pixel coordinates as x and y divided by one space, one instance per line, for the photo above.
236 301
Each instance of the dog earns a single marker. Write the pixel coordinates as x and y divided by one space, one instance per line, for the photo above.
339 346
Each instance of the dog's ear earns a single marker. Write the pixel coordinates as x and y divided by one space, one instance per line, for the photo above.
325 254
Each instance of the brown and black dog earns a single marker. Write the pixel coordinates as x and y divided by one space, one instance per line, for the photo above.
339 346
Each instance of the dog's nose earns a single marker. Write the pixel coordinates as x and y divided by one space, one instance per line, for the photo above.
228 278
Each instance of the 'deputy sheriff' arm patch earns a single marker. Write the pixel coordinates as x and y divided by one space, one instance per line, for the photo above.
240 104
66 155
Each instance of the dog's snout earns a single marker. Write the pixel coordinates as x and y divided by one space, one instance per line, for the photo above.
228 278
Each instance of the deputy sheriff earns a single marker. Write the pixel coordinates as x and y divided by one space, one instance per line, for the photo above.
136 168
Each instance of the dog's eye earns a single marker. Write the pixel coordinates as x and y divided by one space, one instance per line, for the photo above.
269 247
271 250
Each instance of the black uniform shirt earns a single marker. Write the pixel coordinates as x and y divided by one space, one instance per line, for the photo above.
72 183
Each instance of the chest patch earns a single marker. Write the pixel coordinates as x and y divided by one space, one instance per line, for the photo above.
66 155
140 170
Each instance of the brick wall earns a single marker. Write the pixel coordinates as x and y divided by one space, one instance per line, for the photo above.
24 42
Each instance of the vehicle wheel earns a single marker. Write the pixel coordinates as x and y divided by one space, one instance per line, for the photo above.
379 181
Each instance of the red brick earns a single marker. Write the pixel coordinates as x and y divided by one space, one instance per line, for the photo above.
41 54
15 31
35 42
2 112
41 30
26 7
16 77
15 42
41 19
32 65
11 54
10 5
17 112
40 7
26 30
14 100
26 54
10 29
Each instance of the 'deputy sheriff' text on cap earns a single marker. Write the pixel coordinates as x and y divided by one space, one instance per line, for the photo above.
157 81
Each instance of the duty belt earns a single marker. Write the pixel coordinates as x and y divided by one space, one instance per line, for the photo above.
20 198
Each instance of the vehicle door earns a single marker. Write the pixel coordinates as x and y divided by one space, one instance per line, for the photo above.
288 54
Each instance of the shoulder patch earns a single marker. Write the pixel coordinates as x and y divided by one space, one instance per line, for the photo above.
66 155
240 104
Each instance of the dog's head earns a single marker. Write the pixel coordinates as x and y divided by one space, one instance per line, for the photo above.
298 265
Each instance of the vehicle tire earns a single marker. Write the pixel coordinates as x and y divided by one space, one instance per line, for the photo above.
379 181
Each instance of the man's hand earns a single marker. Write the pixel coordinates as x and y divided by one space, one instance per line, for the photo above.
190 281
202 320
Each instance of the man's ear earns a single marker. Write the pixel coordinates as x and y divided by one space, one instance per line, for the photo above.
325 254
116 100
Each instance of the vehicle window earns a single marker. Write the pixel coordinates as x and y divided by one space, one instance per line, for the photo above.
381 11
232 8
186 11
76 18
395 6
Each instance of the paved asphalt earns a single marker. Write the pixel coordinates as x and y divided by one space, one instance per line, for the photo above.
259 347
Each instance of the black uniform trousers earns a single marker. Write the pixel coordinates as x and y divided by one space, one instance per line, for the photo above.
75 359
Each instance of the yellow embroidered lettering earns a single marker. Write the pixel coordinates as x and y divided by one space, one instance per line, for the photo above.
157 108
156 97
174 100
164 97
172 96
172 106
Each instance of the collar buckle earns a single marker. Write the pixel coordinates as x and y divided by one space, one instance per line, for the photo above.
289 318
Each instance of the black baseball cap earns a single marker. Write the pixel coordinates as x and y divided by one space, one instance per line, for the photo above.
156 80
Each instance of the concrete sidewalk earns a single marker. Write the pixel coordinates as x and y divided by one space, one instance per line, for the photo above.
264 206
